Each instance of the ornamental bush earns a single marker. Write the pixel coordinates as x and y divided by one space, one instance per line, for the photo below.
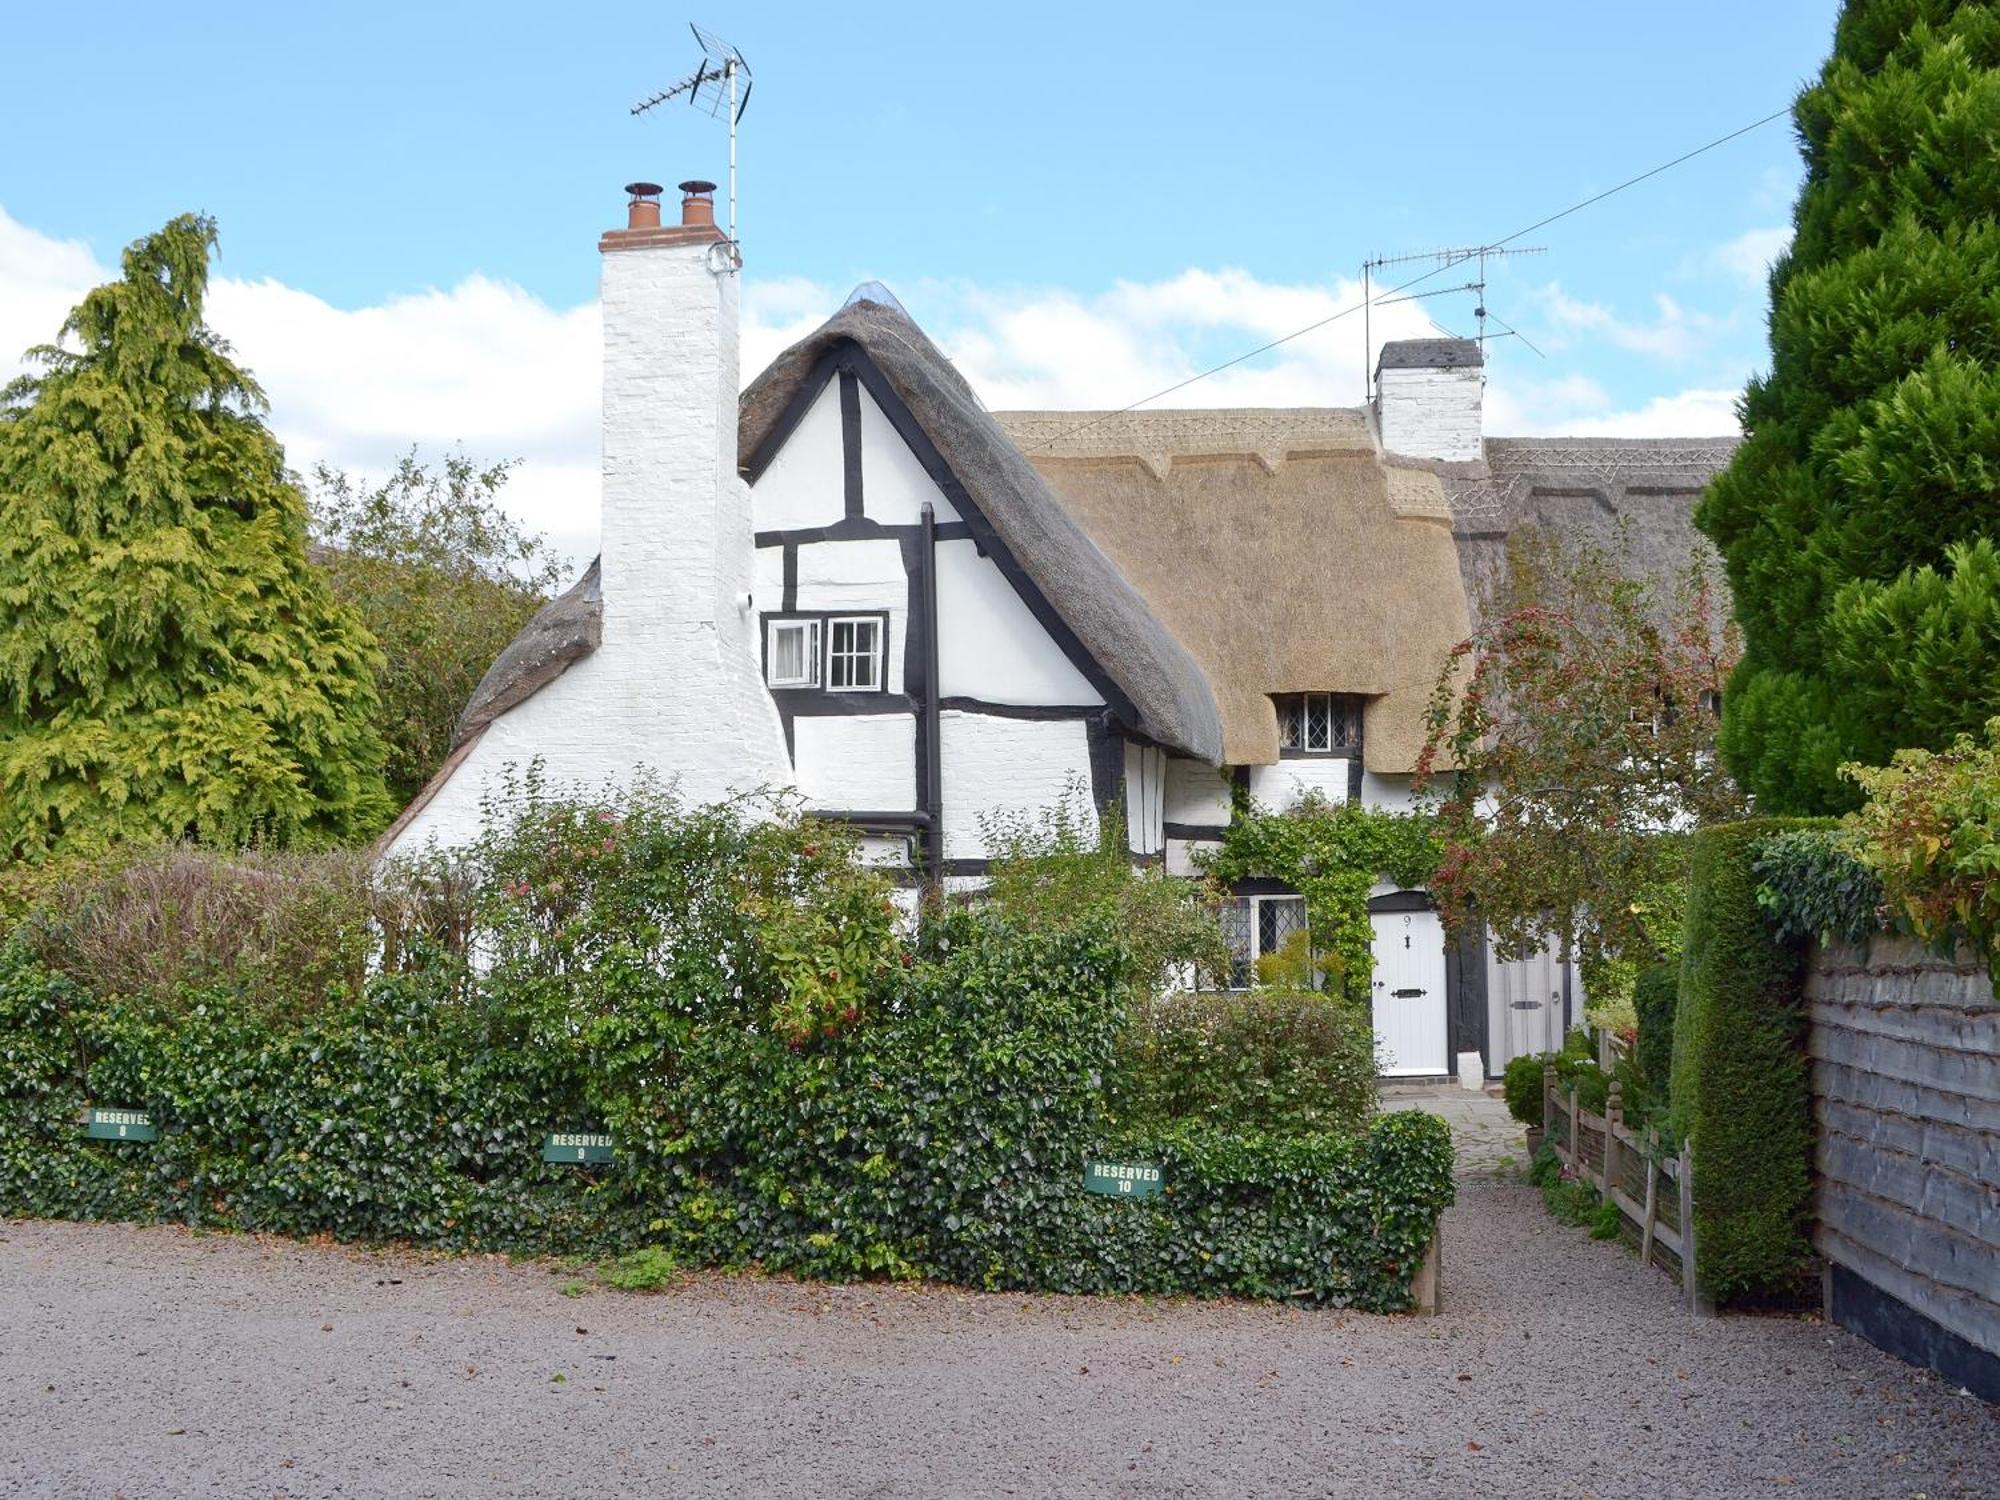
1739 1085
1287 1062
917 1110
1521 1086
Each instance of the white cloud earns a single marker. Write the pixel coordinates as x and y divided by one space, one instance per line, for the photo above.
491 367
1748 257
1675 334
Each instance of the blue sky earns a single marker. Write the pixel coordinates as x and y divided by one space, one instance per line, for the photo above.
1081 202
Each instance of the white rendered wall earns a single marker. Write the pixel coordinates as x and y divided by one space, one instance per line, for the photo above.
804 484
1015 766
857 762
1390 793
1145 798
1197 794
894 484
1279 785
1182 854
676 687
990 645
858 578
1430 413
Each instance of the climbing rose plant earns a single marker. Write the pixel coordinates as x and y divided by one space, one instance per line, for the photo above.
1571 741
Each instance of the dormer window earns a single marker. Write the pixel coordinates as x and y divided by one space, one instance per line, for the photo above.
1318 723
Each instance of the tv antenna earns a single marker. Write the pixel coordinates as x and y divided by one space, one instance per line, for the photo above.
713 87
1457 255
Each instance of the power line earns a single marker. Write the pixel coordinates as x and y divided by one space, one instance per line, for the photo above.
1443 265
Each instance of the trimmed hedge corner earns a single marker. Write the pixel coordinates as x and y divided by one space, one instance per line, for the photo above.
1739 1088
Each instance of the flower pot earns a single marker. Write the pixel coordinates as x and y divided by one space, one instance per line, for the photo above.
1535 1134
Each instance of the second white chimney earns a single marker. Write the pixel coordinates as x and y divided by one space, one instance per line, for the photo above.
1427 398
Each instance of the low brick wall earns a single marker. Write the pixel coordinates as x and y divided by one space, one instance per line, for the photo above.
1906 1098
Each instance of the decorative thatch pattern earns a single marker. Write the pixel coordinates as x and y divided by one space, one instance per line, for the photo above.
1638 492
1134 645
1279 548
563 631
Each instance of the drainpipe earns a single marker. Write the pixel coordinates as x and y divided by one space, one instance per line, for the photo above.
930 796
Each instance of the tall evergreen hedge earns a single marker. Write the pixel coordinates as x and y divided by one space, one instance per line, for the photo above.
1858 520
1740 1079
172 665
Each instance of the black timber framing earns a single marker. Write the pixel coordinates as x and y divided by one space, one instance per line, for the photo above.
1106 726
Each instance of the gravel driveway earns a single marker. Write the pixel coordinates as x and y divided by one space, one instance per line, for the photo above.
149 1362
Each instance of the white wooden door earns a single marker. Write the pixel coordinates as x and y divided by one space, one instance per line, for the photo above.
1409 993
1524 1005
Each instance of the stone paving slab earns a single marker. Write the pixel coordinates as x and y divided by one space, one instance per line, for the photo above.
1486 1139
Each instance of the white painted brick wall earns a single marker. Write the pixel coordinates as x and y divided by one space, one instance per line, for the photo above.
1430 413
1015 766
676 687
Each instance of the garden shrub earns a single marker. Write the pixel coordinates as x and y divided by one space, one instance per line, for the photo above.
1262 1059
914 1111
1812 884
1739 1077
1521 1086
1930 831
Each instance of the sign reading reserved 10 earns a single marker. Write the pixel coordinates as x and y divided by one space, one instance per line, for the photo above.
1129 1179
120 1125
577 1148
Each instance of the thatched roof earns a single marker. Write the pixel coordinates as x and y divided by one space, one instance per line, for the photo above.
1279 548
1133 644
563 631
1634 494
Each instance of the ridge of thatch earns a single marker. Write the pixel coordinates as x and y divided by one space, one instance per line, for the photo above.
1135 645
559 634
1280 548
1637 493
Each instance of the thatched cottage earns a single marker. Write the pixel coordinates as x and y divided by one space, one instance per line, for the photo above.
857 581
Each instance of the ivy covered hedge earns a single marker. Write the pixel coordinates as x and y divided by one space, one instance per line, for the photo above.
1739 1078
919 1109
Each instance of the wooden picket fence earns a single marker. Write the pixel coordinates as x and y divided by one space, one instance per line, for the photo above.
1654 1191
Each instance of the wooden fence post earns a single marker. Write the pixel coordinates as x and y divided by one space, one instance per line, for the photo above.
1652 1197
1548 1098
1614 1118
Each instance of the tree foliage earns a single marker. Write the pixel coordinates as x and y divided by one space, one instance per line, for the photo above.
1856 518
1580 728
172 664
443 578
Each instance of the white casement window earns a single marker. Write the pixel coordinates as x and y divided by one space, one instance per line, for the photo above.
854 654
1318 723
791 653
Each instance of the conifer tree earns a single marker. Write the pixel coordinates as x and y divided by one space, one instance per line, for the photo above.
1858 520
172 666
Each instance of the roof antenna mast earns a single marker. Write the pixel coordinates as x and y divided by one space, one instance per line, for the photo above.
719 87
1457 255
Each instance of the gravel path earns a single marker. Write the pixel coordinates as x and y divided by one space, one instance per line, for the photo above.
150 1362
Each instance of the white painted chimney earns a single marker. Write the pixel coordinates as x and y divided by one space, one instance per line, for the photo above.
680 629
1427 398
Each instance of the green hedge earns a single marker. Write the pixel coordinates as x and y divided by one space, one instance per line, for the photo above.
1278 1060
1740 1085
1656 997
942 1135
